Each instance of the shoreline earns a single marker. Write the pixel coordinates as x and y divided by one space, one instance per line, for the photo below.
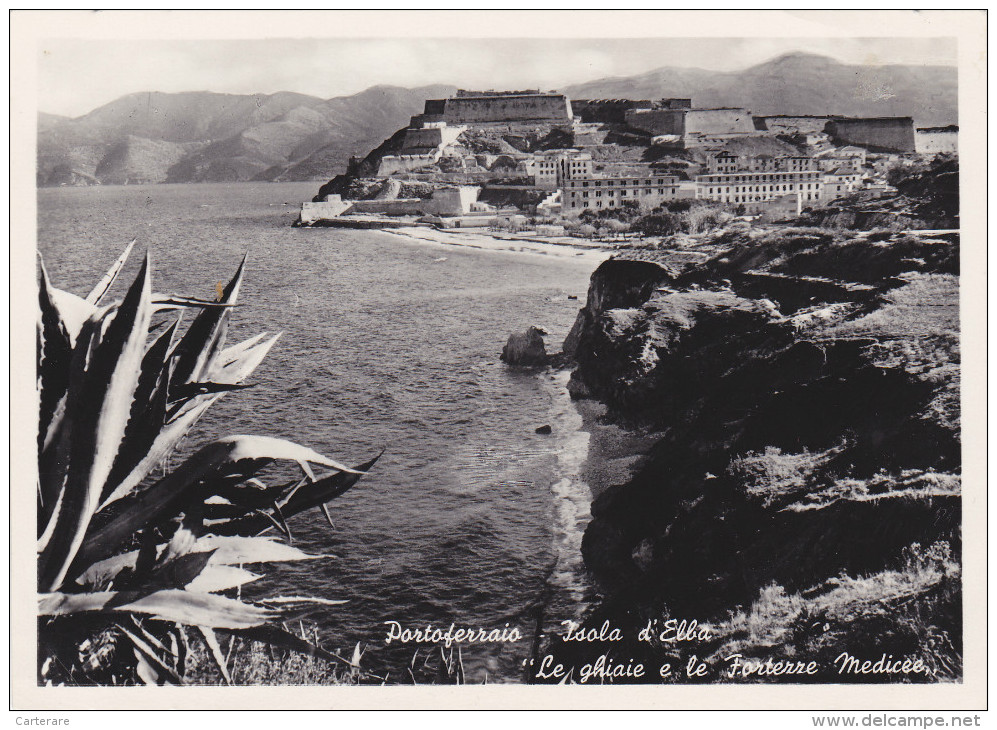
589 253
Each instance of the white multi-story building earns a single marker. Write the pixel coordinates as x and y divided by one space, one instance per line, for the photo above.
748 187
725 162
595 193
553 168
841 182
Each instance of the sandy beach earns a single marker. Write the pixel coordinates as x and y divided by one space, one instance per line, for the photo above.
563 247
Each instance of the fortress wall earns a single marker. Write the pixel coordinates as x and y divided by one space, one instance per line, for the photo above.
432 137
391 164
718 121
657 121
398 206
434 107
790 125
332 207
937 140
888 134
606 111
685 122
475 109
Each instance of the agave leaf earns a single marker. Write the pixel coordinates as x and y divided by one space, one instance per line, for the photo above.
185 607
305 497
242 365
163 302
99 403
145 651
231 353
189 414
146 417
55 351
217 578
98 292
172 491
328 518
190 390
237 550
211 641
74 311
144 669
54 461
200 609
179 571
164 444
203 340
302 599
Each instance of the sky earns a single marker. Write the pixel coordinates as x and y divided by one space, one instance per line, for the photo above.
77 75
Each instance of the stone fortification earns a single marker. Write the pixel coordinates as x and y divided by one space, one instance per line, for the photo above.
425 139
487 107
937 140
879 134
606 111
787 124
689 122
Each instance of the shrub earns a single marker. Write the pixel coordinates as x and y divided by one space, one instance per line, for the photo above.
124 558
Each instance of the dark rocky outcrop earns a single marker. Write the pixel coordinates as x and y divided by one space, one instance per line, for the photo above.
526 349
805 386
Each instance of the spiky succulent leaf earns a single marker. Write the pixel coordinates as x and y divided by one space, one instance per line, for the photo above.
99 403
185 607
206 335
98 292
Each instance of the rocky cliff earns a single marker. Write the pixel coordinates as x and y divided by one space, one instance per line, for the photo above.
805 386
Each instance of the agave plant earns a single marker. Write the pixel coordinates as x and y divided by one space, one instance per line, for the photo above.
129 556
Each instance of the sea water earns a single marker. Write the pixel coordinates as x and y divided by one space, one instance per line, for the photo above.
469 517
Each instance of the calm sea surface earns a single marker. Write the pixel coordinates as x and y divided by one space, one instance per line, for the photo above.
469 517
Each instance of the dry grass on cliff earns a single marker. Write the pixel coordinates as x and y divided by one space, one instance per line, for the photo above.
912 610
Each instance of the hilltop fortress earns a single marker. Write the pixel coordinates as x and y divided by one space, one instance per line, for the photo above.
478 155
484 107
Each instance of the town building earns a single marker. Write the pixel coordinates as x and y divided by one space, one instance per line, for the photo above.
552 168
849 156
596 193
724 161
840 182
748 187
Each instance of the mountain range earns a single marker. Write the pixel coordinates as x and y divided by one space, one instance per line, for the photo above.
154 137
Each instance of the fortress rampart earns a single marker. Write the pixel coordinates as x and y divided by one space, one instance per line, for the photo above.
787 124
429 138
686 122
485 108
879 134
935 140
606 111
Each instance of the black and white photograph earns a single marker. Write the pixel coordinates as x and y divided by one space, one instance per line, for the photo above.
633 356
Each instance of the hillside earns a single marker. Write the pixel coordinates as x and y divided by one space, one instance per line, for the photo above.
799 83
208 137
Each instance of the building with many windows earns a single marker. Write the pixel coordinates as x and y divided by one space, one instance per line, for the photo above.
595 193
553 168
743 186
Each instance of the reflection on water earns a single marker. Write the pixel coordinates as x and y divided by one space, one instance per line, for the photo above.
470 516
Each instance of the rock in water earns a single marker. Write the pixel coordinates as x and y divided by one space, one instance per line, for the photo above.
526 348
543 430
